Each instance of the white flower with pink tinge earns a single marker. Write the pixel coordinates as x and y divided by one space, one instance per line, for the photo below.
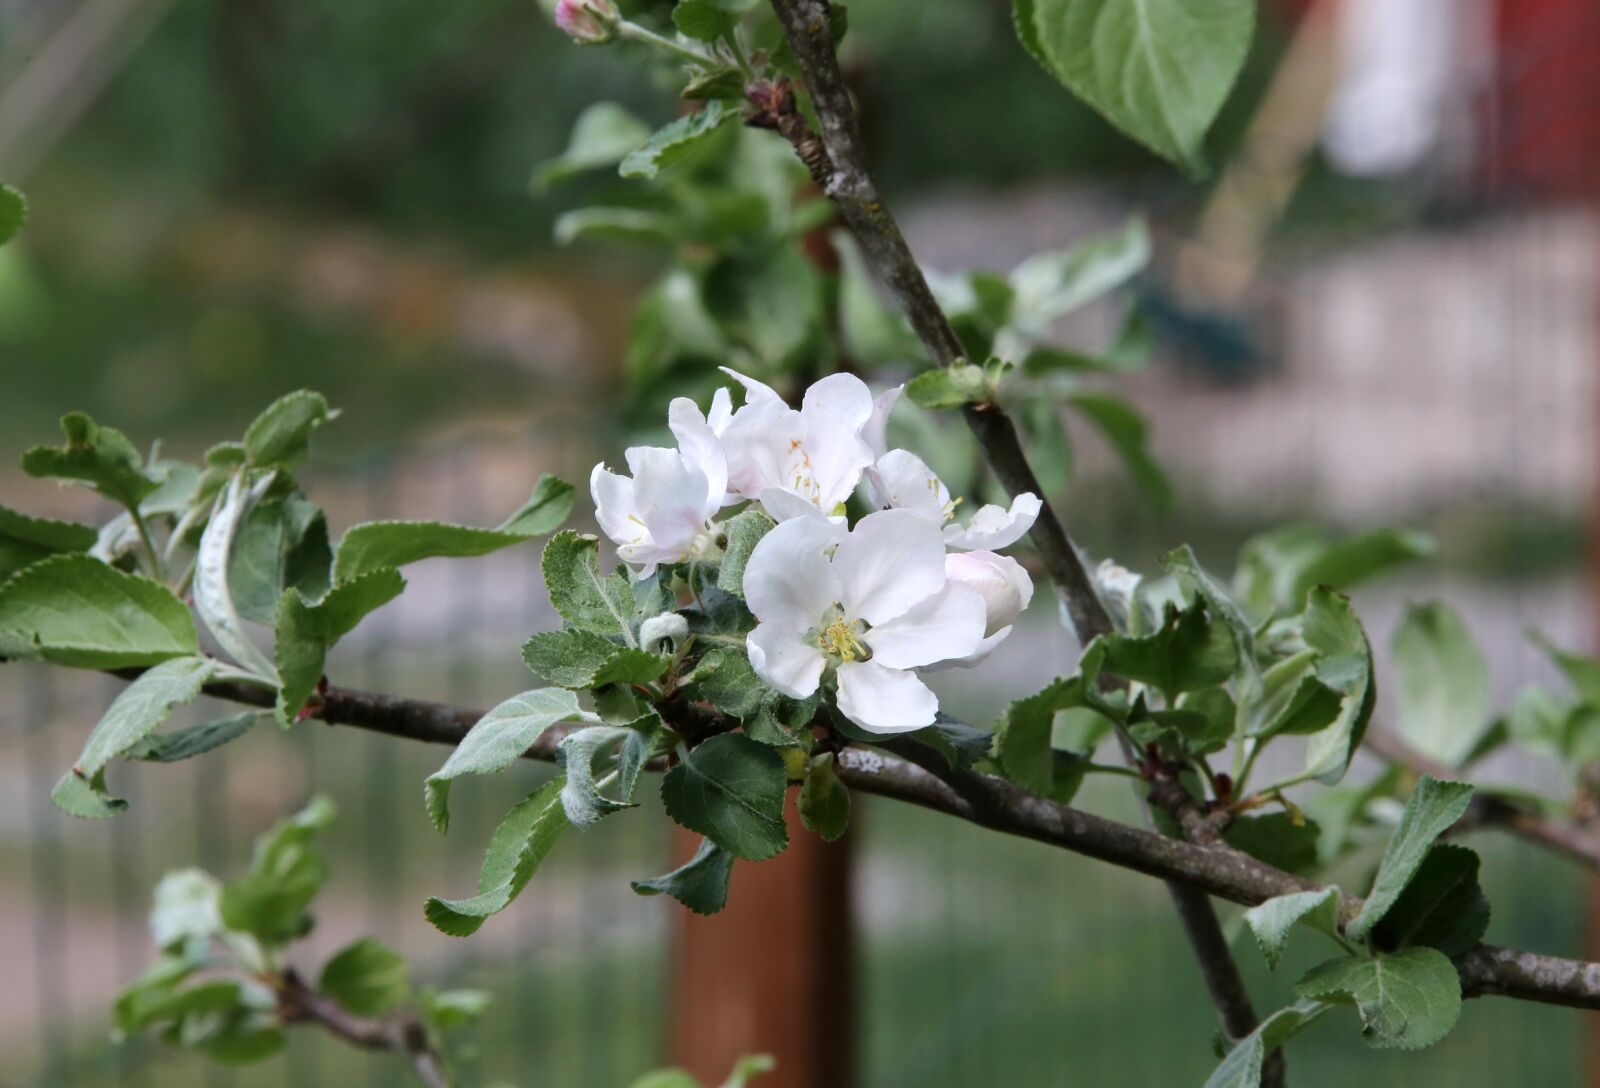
590 22
903 481
870 605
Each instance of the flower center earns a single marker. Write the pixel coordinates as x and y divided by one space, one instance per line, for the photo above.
841 638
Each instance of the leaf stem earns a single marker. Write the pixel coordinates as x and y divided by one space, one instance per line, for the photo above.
634 32
158 570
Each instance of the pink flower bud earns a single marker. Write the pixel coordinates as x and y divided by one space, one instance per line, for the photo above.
592 22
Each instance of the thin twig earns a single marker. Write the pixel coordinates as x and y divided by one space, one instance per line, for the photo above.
1001 806
404 1034
843 173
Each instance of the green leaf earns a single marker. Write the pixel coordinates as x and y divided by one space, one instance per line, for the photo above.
572 658
280 544
285 874
1048 285
701 883
753 1065
1443 684
744 532
101 457
1432 808
1582 672
1271 921
213 591
280 436
948 387
188 906
74 610
496 741
824 800
1279 839
306 632
366 978
1277 569
1329 627
1407 1000
731 789
869 330
13 213
1292 700
1157 69
589 602
1442 906
521 842
1022 736
449 1009
603 135
1241 1067
677 142
702 20
581 798
378 544
25 540
636 225
1124 428
138 709
195 740
960 743
1187 653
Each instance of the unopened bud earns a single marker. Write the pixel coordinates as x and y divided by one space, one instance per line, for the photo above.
590 22
667 627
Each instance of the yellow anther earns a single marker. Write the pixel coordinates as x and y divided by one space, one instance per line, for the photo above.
841 639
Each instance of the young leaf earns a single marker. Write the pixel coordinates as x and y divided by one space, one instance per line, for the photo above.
306 632
581 798
1329 627
1407 1000
377 544
195 740
74 610
744 533
521 842
1271 921
498 739
1125 429
101 457
731 790
569 658
1442 907
13 213
701 883
1432 808
1188 653
702 20
213 593
1278 839
824 800
589 602
448 1009
1022 736
280 544
1157 69
676 142
138 709
187 906
366 978
603 135
25 540
285 874
1582 672
1443 684
947 387
1048 285
280 436
1241 1067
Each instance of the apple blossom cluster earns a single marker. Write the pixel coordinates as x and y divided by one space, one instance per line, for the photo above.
860 609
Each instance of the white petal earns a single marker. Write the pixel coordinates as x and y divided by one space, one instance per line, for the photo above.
835 410
700 446
875 432
763 447
782 504
754 392
721 410
945 627
884 700
985 648
789 580
784 660
891 561
993 527
614 507
904 481
670 495
1001 581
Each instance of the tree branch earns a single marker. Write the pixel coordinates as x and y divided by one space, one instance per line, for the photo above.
298 1003
840 167
1001 806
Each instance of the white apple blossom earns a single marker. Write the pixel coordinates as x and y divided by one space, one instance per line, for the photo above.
798 463
665 512
1005 588
902 480
871 604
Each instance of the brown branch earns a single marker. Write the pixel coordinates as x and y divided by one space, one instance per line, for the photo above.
841 169
1573 839
1001 806
407 1036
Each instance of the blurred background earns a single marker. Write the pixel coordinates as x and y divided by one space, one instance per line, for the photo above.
1381 308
